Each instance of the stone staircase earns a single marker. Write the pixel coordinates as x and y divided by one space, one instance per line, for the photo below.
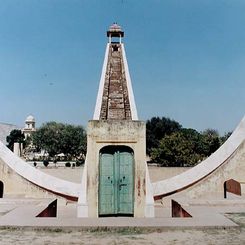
115 101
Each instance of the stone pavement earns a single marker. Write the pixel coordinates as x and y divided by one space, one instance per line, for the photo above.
22 212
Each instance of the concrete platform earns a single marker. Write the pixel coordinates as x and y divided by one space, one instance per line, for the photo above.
23 212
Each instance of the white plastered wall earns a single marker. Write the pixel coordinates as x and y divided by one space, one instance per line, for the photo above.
28 178
101 86
127 133
129 85
209 168
102 82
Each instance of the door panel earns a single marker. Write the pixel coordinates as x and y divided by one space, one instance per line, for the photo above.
116 183
106 185
125 188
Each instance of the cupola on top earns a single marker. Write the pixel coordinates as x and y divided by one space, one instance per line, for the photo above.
115 31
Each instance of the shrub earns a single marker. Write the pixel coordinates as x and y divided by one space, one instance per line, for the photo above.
45 163
68 164
79 162
55 162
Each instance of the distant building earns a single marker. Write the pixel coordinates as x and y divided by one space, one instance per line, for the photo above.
29 126
6 128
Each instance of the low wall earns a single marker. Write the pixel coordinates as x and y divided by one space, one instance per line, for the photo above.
162 173
75 174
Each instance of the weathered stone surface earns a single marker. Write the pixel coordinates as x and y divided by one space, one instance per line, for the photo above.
103 133
232 186
19 178
115 101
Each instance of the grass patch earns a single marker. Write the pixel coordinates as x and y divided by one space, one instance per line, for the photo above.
118 230
238 218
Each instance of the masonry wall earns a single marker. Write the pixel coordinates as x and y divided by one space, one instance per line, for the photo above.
15 185
117 133
19 178
213 184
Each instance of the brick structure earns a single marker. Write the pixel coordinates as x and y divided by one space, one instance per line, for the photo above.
115 101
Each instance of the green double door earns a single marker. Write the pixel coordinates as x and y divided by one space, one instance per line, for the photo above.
116 182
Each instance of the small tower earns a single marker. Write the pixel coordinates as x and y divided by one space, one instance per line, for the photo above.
115 179
115 31
29 126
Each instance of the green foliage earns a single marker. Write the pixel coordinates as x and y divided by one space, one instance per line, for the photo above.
55 162
79 162
45 163
177 149
15 136
171 145
225 137
157 128
211 141
56 138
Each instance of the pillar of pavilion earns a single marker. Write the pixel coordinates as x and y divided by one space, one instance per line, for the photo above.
115 180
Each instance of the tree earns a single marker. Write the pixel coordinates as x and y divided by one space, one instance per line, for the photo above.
157 128
225 137
15 136
47 138
211 141
197 140
171 145
56 138
176 150
74 141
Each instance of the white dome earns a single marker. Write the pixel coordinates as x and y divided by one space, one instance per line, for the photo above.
30 118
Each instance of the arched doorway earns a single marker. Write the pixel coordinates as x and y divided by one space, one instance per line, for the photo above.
1 189
116 181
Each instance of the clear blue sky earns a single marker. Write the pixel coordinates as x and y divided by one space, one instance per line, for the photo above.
186 59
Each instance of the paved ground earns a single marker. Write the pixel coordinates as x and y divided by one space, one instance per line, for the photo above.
190 236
